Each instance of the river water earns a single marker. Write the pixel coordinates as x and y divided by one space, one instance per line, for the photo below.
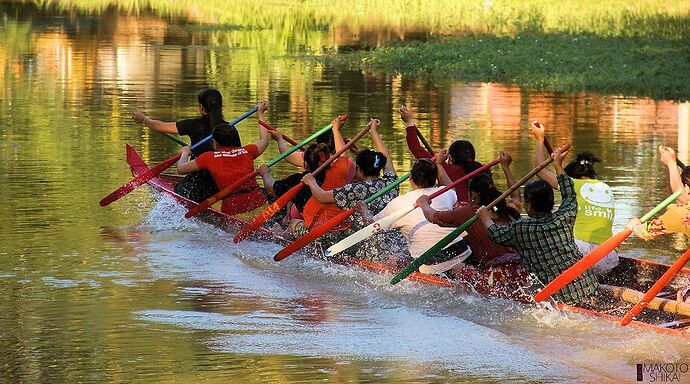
136 293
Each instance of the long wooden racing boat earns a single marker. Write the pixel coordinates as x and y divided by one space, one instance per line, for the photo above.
622 288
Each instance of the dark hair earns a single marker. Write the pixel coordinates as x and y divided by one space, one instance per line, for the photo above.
370 162
327 138
539 195
482 185
212 101
685 175
424 173
226 135
462 153
582 166
314 156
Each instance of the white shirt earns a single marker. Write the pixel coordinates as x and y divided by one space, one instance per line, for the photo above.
418 231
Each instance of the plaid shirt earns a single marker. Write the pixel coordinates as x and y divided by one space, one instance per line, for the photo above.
547 245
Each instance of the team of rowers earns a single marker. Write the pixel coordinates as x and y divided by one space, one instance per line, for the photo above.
546 242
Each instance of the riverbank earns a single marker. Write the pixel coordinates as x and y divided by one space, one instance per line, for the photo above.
654 67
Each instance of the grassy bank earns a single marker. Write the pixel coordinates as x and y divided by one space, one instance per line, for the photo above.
644 66
497 17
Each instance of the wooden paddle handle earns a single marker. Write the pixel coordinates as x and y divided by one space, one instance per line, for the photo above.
424 142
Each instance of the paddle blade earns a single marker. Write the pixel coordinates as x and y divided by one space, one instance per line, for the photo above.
138 180
368 231
657 287
268 213
313 235
582 265
219 195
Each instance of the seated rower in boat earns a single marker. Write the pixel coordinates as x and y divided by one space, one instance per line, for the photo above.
231 161
461 154
485 253
337 175
677 216
545 240
196 186
367 181
595 203
416 229
312 158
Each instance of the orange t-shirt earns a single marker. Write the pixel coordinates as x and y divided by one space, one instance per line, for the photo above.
338 175
228 165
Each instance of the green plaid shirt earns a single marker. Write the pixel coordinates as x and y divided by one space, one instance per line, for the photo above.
547 245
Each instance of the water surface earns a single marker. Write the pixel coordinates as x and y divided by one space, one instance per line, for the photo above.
135 292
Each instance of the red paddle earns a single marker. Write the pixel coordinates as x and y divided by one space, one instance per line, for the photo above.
229 188
155 171
289 195
657 287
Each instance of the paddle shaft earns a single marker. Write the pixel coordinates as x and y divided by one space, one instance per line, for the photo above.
229 188
657 287
175 139
270 128
332 222
387 221
597 254
289 195
155 171
456 232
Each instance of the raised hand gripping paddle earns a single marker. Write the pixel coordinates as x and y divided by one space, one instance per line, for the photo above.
289 195
597 254
456 232
155 171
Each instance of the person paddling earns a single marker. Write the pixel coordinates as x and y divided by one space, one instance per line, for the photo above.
367 181
595 202
485 253
230 161
676 219
545 240
416 229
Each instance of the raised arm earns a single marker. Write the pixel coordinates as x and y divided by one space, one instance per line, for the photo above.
411 134
185 165
265 173
264 135
323 197
156 125
440 159
537 130
668 157
338 139
379 144
515 197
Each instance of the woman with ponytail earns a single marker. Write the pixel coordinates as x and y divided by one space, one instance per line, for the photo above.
482 191
197 186
230 161
595 203
368 179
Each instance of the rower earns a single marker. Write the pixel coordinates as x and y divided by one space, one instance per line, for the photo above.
231 161
545 240
595 202
416 229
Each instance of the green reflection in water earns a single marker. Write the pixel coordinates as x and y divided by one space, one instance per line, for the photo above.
70 288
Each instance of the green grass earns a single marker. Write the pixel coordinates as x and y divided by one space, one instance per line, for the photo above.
644 66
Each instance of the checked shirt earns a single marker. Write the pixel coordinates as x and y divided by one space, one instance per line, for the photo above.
547 245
